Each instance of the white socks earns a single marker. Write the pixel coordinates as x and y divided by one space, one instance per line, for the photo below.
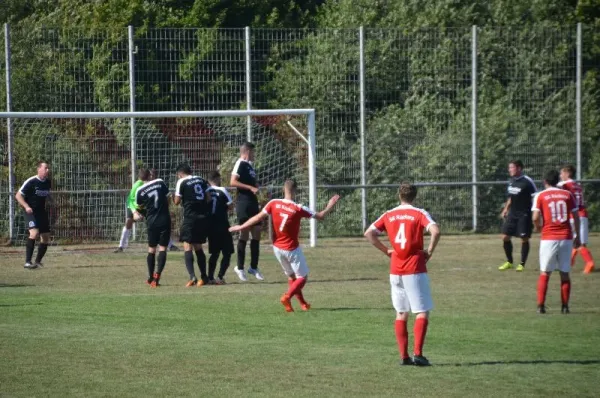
125 233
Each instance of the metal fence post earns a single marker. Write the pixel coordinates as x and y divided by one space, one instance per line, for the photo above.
248 83
474 124
131 52
578 100
363 167
11 166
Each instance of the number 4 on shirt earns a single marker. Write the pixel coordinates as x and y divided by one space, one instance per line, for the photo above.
401 236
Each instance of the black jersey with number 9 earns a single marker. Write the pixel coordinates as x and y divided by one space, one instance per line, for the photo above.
153 198
192 191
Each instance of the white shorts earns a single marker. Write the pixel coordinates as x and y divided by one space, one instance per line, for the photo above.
583 230
411 293
292 261
555 255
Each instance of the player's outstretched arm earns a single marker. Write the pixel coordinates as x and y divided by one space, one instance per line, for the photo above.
250 223
373 238
435 232
321 215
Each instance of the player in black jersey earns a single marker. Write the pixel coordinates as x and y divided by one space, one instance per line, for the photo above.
191 191
153 198
243 177
32 197
219 237
517 214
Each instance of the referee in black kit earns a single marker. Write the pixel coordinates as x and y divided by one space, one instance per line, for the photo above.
243 178
32 197
517 214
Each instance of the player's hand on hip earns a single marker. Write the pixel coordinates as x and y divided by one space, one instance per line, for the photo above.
426 254
28 210
390 252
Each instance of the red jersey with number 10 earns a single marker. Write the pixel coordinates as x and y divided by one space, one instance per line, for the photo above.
555 205
404 226
575 188
285 218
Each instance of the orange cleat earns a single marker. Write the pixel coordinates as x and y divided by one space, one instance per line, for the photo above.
149 281
154 284
305 307
285 300
190 283
201 283
589 268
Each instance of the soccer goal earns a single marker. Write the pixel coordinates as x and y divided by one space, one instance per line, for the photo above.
94 158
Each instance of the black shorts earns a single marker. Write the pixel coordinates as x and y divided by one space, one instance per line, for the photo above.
245 210
38 220
518 226
159 235
193 230
220 241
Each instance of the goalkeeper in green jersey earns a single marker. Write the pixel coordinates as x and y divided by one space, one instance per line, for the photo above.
144 175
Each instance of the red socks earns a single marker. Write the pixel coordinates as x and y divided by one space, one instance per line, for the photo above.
565 291
402 338
299 294
420 331
542 288
587 256
295 287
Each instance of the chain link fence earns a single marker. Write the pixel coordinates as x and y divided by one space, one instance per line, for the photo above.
423 121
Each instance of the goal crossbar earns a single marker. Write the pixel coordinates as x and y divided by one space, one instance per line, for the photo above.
308 112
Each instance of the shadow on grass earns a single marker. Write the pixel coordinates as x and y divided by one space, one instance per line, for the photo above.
530 362
13 285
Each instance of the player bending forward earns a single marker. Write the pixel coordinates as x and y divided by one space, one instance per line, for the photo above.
408 271
285 217
566 175
552 208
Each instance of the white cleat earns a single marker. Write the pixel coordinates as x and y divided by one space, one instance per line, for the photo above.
30 266
256 274
241 274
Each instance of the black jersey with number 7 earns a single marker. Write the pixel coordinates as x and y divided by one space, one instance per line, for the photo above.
153 198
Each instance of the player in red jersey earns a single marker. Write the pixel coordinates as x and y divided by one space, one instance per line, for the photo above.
551 210
566 175
285 219
405 225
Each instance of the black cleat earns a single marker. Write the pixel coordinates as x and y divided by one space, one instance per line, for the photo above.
38 265
420 360
565 309
173 249
406 361
541 309
118 250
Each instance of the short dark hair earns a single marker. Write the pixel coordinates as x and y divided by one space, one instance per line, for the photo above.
213 175
569 168
41 162
290 184
408 192
184 168
143 174
517 163
551 177
153 174
247 146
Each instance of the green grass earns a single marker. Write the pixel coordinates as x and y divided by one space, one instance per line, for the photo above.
87 325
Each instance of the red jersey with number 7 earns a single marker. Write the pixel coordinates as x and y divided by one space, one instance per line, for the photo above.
555 206
405 225
285 219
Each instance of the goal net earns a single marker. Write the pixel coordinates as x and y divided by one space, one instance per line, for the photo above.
94 159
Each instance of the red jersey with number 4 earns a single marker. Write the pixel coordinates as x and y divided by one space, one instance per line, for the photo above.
555 206
404 226
575 188
285 218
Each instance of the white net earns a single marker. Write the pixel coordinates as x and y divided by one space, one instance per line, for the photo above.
91 172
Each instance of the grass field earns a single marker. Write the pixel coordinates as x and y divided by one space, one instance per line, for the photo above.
87 325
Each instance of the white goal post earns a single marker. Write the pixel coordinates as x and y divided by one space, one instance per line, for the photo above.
86 125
